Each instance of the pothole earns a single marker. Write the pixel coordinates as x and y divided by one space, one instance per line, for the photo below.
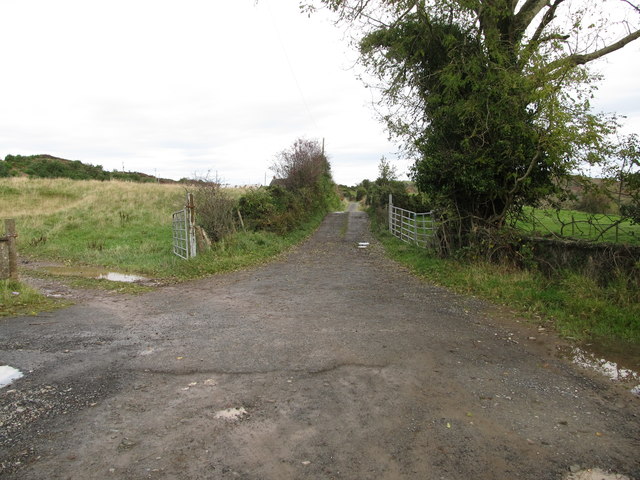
231 413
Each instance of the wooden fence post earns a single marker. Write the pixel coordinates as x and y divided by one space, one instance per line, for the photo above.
10 255
241 220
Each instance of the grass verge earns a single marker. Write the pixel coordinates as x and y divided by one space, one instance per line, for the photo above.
16 298
577 306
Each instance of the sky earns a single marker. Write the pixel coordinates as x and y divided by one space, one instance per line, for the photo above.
203 87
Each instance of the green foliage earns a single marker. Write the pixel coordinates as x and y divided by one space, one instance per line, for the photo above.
628 176
490 98
346 192
46 166
594 202
5 170
573 224
126 227
301 165
215 209
280 210
304 190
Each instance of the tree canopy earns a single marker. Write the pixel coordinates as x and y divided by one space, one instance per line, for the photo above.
491 97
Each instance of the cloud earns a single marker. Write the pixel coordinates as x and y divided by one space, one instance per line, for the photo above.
175 89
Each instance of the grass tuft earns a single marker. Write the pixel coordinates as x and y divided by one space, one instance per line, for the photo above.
16 298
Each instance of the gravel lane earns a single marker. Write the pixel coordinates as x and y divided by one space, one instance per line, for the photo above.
330 362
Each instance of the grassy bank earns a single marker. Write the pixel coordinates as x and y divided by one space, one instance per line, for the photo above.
576 305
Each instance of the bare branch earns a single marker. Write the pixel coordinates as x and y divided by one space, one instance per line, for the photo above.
637 8
577 59
546 20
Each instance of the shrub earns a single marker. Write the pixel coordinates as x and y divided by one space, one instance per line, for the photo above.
594 202
301 165
214 209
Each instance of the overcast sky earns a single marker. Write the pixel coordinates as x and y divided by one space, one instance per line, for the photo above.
178 89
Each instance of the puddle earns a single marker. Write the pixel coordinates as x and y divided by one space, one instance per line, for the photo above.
594 474
8 374
608 368
231 413
92 272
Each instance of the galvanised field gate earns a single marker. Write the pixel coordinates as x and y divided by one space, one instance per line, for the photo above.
184 230
411 227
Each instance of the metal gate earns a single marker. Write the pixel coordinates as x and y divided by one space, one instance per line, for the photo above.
184 230
411 227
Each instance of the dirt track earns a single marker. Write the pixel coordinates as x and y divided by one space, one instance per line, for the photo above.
332 362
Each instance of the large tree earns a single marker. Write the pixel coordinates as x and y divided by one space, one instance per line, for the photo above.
491 97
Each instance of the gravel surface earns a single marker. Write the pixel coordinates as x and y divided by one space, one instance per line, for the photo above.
331 362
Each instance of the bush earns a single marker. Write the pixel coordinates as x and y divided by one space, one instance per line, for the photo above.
273 209
301 165
594 202
4 169
214 209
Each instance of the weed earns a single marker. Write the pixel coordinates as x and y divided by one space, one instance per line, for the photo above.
96 245
124 218
35 241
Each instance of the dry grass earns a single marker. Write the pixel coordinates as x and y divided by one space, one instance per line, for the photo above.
24 197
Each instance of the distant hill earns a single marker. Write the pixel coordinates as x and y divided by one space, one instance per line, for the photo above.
48 166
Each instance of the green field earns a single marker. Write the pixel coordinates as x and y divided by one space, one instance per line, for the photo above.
579 225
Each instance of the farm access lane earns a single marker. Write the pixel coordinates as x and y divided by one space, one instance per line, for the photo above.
331 362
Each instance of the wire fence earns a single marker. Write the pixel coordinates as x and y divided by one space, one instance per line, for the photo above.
573 224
